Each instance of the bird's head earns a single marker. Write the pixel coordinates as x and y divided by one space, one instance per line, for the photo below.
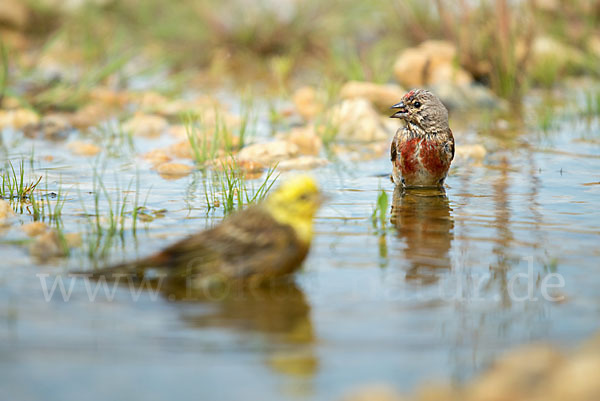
424 109
295 203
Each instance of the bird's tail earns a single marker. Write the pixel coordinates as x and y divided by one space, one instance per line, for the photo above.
134 269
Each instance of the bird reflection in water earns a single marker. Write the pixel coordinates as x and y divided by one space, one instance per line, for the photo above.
423 219
277 311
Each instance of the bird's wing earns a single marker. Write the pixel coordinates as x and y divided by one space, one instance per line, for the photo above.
247 243
394 148
259 245
449 146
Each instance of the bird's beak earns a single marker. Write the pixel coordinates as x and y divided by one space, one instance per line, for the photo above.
402 113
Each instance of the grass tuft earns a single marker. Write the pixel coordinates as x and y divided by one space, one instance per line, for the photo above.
117 141
379 214
3 71
230 190
14 186
108 226
592 104
205 146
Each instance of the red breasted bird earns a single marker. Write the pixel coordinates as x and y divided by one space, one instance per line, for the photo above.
423 149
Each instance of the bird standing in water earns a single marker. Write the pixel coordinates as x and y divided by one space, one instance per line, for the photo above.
423 149
262 242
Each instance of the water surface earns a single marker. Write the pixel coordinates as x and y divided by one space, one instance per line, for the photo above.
455 279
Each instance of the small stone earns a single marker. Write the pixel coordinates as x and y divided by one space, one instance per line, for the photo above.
449 73
181 150
357 121
52 126
179 131
146 125
576 379
207 108
14 13
149 101
250 167
439 392
18 118
590 346
47 245
6 212
173 170
89 115
460 97
593 45
17 41
547 5
184 149
475 152
307 140
517 375
157 156
545 49
109 97
374 392
269 153
80 148
302 163
35 228
380 96
227 162
432 62
307 103
213 117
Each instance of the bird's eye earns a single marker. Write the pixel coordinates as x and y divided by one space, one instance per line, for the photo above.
417 104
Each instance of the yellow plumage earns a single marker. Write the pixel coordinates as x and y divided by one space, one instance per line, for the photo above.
264 241
295 203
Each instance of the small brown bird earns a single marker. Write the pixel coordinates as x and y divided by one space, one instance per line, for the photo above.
423 149
262 242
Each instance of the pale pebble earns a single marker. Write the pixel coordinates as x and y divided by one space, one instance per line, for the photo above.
173 170
80 148
146 125
6 212
355 120
18 118
269 153
34 228
382 97
307 102
302 163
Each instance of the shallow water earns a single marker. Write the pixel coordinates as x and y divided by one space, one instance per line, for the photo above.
454 280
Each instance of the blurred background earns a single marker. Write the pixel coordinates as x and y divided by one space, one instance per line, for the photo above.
508 46
126 124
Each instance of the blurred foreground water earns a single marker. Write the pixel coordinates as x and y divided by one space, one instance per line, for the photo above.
506 256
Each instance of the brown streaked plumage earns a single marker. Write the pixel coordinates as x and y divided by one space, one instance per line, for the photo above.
422 150
262 242
248 245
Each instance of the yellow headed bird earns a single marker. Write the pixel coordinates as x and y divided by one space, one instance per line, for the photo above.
264 241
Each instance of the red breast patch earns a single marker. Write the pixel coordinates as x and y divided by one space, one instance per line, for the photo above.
430 156
408 161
